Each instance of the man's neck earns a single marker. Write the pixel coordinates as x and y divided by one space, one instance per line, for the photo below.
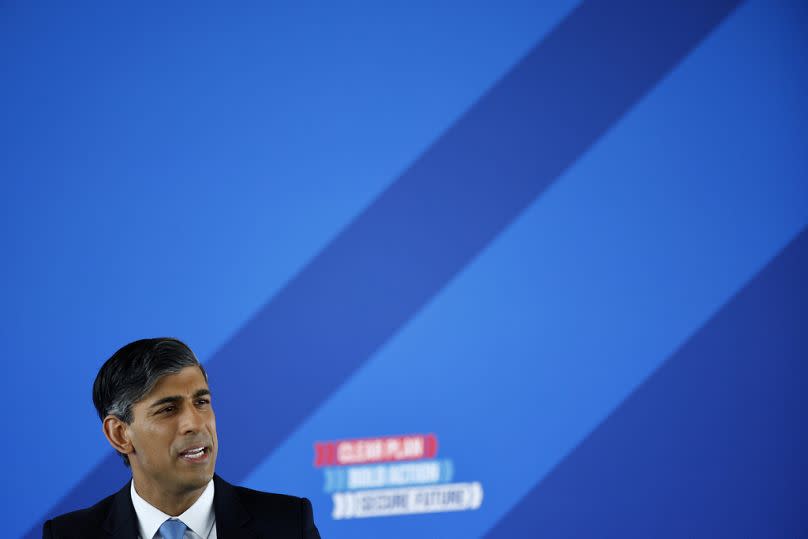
170 503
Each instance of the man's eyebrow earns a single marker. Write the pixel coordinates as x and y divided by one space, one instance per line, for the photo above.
165 400
178 398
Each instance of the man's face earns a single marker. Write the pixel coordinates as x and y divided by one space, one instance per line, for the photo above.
173 433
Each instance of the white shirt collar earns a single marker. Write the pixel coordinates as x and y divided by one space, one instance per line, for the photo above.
199 517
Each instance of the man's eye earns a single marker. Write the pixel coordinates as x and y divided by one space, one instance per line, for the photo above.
166 410
202 402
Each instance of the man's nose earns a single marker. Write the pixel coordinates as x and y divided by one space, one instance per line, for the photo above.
191 419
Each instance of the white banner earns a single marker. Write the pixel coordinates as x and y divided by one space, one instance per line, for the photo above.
407 501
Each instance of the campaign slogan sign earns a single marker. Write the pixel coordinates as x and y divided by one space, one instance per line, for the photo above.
392 475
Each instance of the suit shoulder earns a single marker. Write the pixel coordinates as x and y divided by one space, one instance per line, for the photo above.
257 499
82 523
279 512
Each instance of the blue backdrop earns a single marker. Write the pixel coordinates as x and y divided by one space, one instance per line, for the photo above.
563 245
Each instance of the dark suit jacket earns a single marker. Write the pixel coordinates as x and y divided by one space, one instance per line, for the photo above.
241 513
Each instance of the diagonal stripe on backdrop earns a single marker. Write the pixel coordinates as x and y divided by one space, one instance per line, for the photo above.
712 444
443 210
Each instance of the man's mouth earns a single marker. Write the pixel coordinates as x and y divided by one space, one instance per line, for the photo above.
195 454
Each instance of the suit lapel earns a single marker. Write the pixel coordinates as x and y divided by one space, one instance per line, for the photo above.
231 517
121 520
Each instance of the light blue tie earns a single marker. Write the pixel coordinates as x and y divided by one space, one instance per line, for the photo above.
173 529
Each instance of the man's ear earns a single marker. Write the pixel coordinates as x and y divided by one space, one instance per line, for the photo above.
116 431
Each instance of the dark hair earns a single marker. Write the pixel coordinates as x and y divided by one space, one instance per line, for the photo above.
132 372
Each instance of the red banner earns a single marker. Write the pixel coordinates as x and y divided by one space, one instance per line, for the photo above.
381 449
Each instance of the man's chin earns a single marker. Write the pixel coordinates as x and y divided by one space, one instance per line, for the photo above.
186 485
197 478
193 478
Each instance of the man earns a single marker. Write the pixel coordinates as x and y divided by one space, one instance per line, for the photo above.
154 402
